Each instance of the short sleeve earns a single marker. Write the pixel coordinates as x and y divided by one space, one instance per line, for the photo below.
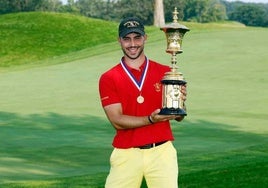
107 90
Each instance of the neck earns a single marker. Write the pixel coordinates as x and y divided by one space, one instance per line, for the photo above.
134 63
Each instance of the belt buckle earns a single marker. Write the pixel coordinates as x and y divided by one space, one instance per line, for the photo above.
149 146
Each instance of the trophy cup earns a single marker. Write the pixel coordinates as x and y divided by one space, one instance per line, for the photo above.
172 104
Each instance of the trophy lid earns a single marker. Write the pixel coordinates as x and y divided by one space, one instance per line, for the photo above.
175 25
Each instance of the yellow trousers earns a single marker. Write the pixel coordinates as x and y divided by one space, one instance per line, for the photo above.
158 165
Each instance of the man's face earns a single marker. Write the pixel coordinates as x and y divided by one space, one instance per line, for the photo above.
132 45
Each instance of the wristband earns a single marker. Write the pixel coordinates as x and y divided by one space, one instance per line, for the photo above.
150 120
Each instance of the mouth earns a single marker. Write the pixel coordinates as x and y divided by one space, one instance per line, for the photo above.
133 50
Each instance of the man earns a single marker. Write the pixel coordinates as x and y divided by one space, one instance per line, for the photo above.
131 96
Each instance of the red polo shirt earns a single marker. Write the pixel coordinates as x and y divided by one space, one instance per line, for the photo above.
117 86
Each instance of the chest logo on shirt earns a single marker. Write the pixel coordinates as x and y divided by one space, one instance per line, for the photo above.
157 87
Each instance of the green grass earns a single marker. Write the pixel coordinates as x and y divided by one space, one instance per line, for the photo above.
45 38
28 37
54 133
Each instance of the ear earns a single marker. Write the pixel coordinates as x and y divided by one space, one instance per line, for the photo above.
119 40
145 37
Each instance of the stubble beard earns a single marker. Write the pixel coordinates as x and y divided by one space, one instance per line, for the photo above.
133 57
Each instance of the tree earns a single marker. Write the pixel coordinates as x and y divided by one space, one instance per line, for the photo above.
204 10
10 6
91 8
196 10
217 11
159 18
250 14
142 9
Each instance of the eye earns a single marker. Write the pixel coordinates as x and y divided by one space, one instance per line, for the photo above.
138 37
126 39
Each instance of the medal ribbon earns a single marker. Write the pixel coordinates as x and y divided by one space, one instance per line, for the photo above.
131 76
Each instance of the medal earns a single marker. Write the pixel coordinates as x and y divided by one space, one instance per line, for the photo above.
140 99
138 84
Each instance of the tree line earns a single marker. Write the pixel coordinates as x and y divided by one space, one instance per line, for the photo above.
203 11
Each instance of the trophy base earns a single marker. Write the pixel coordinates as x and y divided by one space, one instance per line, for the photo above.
172 111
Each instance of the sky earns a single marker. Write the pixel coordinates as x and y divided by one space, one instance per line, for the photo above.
251 1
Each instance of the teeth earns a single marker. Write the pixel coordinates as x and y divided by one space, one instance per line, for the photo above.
133 49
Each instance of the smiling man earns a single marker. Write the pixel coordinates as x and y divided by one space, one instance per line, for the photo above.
131 95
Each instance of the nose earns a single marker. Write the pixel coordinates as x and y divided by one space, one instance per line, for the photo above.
132 42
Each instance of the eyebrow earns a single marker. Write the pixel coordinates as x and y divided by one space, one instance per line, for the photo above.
137 35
